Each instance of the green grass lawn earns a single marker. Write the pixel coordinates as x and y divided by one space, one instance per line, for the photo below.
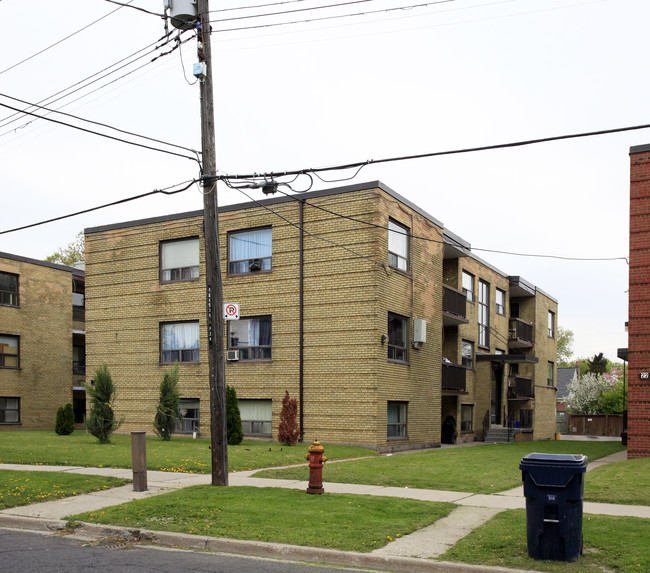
335 521
623 482
610 544
22 488
179 454
486 468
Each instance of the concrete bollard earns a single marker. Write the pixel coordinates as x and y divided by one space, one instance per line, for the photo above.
139 460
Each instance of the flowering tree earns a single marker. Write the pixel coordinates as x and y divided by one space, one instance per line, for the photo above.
596 394
288 431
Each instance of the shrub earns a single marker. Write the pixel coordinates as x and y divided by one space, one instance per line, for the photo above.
64 424
233 418
101 421
164 422
288 432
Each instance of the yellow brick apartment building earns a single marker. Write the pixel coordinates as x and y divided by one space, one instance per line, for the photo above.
380 322
42 342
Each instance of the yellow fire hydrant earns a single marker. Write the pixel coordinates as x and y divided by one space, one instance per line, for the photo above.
316 461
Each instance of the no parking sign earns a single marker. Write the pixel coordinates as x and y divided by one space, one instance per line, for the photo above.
231 311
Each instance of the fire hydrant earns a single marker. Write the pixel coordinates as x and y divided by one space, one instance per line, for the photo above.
316 461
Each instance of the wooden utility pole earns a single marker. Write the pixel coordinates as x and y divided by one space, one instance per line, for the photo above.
214 286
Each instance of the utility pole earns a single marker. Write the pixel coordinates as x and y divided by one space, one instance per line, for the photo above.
214 286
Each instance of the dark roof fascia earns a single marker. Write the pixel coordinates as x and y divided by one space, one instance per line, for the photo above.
640 148
622 353
56 266
270 201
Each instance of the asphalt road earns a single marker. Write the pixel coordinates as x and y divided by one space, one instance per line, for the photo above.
34 552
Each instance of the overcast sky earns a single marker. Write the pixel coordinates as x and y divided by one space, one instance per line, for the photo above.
388 83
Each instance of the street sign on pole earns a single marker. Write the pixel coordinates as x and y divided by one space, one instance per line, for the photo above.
231 311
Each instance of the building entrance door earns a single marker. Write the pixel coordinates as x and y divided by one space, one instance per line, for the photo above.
497 382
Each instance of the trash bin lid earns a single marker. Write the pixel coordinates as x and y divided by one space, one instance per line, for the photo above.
571 459
553 470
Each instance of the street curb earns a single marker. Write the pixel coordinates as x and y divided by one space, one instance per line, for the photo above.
250 548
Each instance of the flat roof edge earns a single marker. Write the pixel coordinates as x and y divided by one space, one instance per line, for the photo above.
640 148
31 261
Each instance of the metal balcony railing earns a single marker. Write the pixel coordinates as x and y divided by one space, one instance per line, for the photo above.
520 333
454 377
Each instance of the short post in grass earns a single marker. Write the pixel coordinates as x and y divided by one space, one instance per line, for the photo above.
316 461
139 460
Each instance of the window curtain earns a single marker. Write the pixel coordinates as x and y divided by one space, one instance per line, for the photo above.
258 410
250 245
182 335
180 254
397 240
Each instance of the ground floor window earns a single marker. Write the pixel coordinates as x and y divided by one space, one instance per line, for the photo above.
189 420
466 417
256 417
9 351
397 418
9 410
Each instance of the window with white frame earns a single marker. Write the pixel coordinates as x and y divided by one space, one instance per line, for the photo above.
500 301
256 417
468 286
466 417
9 351
551 324
397 420
249 251
9 410
251 337
398 335
483 313
467 351
179 342
398 246
179 260
8 289
189 420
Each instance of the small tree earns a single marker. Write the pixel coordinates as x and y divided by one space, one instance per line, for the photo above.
64 424
598 364
101 421
164 422
70 254
288 431
564 345
233 418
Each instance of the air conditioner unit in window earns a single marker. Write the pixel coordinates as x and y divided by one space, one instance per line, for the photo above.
232 355
255 265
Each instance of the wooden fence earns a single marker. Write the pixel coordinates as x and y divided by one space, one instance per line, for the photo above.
596 425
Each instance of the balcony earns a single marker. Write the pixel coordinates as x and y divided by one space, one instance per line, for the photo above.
520 334
78 368
521 388
453 306
453 378
79 313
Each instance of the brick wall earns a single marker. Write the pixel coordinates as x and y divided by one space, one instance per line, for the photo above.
638 443
43 323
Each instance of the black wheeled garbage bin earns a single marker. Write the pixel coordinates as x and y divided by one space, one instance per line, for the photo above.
554 489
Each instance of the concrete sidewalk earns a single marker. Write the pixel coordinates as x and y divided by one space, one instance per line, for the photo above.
417 549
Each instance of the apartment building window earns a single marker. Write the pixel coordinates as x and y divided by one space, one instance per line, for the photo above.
551 374
251 336
466 417
179 260
398 246
483 314
397 420
8 289
79 360
9 351
9 410
398 334
468 286
467 351
249 251
500 301
551 324
179 342
189 420
256 417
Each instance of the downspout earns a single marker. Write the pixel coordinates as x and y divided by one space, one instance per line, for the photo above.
301 350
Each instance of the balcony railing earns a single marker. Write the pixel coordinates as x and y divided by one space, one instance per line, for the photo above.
78 313
453 377
454 303
79 368
520 334
521 388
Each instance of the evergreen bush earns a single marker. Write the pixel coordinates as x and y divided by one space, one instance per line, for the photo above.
101 421
64 424
233 418
164 422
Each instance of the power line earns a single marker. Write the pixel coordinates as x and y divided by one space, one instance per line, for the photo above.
98 133
62 39
105 205
127 5
98 123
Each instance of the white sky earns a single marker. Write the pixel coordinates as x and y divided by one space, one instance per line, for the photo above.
458 74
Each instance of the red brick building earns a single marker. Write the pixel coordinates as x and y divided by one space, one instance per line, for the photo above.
638 444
